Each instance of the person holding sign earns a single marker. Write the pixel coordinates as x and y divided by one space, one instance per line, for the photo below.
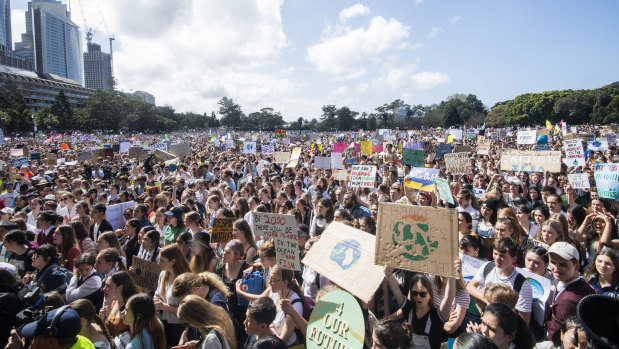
425 319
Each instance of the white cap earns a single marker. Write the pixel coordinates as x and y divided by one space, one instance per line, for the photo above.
564 250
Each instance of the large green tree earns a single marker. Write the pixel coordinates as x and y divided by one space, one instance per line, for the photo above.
231 113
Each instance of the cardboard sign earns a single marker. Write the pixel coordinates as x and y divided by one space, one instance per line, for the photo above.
161 146
607 180
19 152
526 137
268 149
180 149
336 161
294 157
574 154
52 159
417 238
146 273
579 180
98 153
598 144
322 162
340 175
483 147
336 307
124 147
281 157
363 176
444 190
414 145
20 161
136 152
222 230
366 147
462 149
530 161
163 155
283 230
441 150
344 255
339 147
541 147
377 148
456 134
84 155
457 163
249 147
414 158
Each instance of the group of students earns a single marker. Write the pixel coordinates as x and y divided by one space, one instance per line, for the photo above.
55 238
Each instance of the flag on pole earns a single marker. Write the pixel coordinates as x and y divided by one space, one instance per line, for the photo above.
59 136
548 125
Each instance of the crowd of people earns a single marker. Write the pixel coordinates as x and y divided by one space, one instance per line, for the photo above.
67 275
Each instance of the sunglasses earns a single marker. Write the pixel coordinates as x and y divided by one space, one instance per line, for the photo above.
419 294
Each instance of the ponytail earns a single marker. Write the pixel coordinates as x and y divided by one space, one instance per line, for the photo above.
120 264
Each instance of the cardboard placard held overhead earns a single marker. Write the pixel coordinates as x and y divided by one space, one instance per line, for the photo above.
417 238
579 180
344 255
483 147
163 155
281 157
322 162
98 153
180 149
607 180
282 229
146 273
414 158
530 161
222 230
457 163
340 175
52 159
84 155
136 152
363 176
294 157
336 161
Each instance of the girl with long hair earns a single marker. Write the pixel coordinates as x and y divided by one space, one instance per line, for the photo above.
212 322
203 257
86 282
146 330
505 327
64 239
172 263
230 270
84 243
118 288
241 207
508 227
488 217
109 240
523 214
603 274
285 286
242 231
194 222
322 217
93 327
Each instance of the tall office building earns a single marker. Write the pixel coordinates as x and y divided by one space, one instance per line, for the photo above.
97 68
6 42
56 40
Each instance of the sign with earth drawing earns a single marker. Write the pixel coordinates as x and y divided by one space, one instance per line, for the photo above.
417 238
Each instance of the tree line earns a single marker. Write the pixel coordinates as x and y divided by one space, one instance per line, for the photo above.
114 110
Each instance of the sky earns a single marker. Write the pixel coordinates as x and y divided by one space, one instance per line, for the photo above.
296 55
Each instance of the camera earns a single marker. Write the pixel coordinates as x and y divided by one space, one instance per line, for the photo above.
35 302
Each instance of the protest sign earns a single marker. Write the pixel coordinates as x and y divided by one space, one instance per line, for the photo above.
84 155
146 273
530 161
344 255
98 153
414 158
598 144
457 163
363 176
20 161
462 149
283 230
607 180
483 147
161 146
114 214
294 157
456 134
442 149
378 148
540 286
180 149
35 156
366 147
339 147
322 162
579 180
526 137
470 266
268 149
249 147
479 192
124 147
422 178
162 155
281 157
417 238
229 143
136 153
340 175
16 152
336 161
574 155
414 145
444 191
222 230
540 147
52 159
336 319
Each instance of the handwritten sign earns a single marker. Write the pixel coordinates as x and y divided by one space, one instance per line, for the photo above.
268 149
136 152
52 159
146 273
322 162
483 147
422 178
340 175
457 163
530 161
339 147
344 255
414 158
366 147
282 229
336 317
180 149
84 155
336 161
598 144
363 176
281 157
417 238
526 137
574 154
249 147
607 180
20 161
470 266
294 157
579 180
444 191
35 156
222 230
98 153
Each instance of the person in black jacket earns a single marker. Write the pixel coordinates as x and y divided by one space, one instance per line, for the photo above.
100 225
131 247
10 304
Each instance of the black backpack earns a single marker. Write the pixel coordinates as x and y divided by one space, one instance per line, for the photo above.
520 279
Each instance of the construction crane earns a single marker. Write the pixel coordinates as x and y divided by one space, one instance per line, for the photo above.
90 32
112 37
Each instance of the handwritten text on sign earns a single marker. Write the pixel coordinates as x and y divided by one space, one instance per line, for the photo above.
607 180
222 230
363 176
531 161
574 155
146 273
282 229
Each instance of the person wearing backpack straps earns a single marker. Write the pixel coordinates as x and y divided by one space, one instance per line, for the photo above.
501 270
48 275
86 282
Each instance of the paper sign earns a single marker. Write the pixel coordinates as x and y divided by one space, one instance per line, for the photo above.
281 157
366 147
146 273
479 192
378 148
268 149
136 152
483 147
462 149
339 147
181 149
249 147
163 155
294 157
283 230
336 307
541 286
442 149
456 134
229 143
124 147
579 180
530 161
35 156
457 163
322 162
470 266
340 175
414 158
52 159
598 144
161 146
444 191
222 230
417 238
344 255
84 155
16 152
363 176
20 161
114 214
336 161
607 180
351 155
526 137
574 154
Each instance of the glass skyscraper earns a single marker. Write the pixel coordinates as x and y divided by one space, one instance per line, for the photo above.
6 42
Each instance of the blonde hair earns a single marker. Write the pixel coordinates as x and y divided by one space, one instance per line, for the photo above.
185 282
501 293
199 313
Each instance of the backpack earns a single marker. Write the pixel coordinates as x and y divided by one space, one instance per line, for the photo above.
306 315
254 283
520 279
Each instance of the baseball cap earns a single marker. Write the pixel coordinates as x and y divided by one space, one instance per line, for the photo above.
564 250
67 325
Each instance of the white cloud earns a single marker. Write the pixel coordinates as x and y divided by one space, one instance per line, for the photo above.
355 10
342 90
404 77
456 19
418 2
427 80
347 55
434 32
18 24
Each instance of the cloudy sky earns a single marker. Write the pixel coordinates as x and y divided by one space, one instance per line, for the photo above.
296 56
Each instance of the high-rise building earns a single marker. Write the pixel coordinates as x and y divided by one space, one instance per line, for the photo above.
145 96
56 40
6 42
97 68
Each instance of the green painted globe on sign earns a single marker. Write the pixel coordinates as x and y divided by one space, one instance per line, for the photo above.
336 322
